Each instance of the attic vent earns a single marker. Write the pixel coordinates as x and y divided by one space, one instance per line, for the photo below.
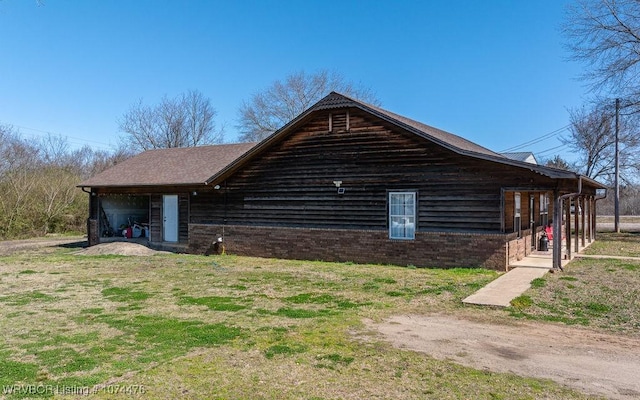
339 122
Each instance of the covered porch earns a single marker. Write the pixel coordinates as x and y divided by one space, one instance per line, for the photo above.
561 219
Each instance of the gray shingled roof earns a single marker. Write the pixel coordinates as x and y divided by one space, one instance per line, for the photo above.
174 166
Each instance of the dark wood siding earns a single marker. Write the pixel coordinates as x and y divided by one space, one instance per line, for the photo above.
183 217
155 219
292 184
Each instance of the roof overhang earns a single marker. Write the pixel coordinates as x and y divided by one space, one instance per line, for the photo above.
142 185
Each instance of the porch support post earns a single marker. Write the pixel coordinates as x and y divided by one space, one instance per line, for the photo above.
576 220
593 219
557 230
557 212
567 227
587 202
583 233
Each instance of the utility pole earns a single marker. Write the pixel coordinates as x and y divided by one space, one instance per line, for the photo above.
617 173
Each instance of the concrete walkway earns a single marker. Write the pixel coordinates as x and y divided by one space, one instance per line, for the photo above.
507 287
610 257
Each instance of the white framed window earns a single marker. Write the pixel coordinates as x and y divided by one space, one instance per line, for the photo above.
517 214
402 215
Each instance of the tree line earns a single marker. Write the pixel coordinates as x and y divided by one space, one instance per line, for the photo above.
38 193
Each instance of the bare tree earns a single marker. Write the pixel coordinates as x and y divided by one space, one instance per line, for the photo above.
558 162
54 150
56 194
96 161
184 121
199 119
592 137
271 109
38 179
19 160
629 202
606 35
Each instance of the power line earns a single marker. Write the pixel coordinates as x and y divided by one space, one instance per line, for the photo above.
536 140
540 153
76 140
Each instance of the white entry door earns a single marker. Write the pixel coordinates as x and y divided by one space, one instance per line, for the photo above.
170 217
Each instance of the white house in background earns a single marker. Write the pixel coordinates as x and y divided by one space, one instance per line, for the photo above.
524 156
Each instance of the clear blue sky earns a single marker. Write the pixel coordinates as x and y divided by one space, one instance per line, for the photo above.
492 71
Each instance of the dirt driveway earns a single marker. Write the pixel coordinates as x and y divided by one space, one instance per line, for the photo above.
11 246
593 363
119 248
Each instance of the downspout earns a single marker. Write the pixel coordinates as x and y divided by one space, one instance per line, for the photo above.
557 225
226 191
91 194
595 208
91 210
224 217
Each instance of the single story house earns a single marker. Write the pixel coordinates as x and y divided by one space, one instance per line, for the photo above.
344 181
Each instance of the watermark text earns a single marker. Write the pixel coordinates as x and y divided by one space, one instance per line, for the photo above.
51 390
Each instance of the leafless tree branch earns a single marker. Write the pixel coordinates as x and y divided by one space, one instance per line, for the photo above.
606 35
184 121
592 137
271 109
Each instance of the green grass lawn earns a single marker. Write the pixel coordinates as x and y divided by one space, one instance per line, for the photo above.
616 244
226 327
603 294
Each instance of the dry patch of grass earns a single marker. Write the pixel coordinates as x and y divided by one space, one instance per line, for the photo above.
629 219
599 293
364 371
616 244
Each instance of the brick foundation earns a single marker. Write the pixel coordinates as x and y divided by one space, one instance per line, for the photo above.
429 249
93 234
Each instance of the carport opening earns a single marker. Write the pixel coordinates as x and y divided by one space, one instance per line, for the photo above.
122 215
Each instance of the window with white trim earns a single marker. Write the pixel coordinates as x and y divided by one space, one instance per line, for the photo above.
517 220
402 215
